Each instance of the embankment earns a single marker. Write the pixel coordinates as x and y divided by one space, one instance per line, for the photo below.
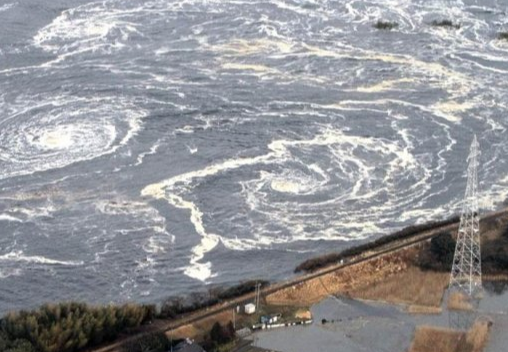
360 271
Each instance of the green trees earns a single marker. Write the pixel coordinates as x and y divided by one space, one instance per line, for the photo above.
19 345
495 254
220 335
68 327
72 326
443 247
438 255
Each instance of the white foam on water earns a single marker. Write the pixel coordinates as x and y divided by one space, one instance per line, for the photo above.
290 182
303 197
143 218
59 139
88 28
285 186
192 149
449 109
264 72
500 45
384 86
19 256
153 150
294 182
136 234
356 183
454 81
260 71
7 217
435 74
244 47
8 272
248 67
6 7
196 269
167 189
186 129
56 131
28 214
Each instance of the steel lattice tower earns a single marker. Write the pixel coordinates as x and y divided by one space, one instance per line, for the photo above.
466 275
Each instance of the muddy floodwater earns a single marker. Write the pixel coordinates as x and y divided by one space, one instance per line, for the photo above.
358 326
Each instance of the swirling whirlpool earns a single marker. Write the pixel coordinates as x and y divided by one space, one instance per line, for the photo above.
58 131
148 148
306 191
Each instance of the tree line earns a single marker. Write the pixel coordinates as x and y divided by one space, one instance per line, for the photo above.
316 263
73 326
69 327
438 256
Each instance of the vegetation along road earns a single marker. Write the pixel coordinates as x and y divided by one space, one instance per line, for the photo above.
367 255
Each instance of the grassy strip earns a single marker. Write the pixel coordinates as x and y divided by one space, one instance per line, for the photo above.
314 264
431 339
176 306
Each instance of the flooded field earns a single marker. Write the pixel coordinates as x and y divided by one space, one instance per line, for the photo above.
358 326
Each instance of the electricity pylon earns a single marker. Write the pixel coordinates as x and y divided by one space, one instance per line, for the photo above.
466 273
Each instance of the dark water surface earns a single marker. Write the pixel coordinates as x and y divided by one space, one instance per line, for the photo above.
147 147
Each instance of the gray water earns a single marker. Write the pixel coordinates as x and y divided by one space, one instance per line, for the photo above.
150 147
358 326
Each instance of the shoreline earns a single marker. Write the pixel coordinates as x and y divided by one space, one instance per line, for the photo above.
299 279
393 269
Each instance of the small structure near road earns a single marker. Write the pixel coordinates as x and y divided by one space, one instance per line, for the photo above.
250 308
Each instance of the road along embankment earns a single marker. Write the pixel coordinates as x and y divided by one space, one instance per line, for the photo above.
335 278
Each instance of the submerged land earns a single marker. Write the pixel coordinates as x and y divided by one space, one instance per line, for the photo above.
408 270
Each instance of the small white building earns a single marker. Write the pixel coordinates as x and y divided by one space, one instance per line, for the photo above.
250 308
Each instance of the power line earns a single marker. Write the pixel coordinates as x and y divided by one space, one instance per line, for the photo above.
466 275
